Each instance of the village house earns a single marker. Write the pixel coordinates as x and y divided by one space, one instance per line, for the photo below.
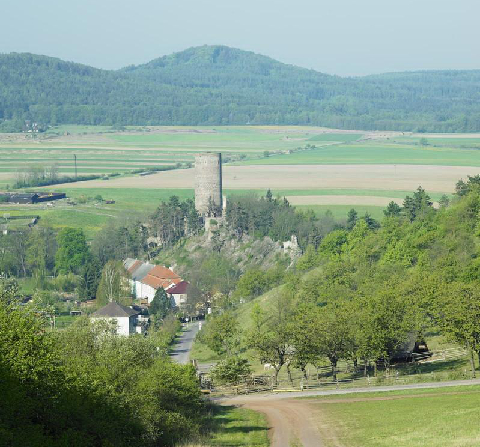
179 293
125 317
146 279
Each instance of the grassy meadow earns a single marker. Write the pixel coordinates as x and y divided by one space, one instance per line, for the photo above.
445 417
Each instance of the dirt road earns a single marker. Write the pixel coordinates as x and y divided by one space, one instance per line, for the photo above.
298 422
291 422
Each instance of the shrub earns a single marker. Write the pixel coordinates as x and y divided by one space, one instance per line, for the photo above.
231 370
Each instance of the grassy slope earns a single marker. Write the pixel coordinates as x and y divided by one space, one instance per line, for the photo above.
424 372
441 418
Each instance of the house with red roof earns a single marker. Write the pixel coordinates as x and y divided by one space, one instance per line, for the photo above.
179 293
146 278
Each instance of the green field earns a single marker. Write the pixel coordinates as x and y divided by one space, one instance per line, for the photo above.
444 417
376 153
103 150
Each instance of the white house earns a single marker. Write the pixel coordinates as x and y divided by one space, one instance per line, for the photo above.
125 317
138 270
146 278
179 293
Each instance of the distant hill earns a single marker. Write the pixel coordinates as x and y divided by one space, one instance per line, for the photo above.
217 85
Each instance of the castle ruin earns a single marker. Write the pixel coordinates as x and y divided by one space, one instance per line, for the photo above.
208 184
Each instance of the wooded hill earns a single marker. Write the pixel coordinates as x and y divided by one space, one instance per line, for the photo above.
217 85
364 293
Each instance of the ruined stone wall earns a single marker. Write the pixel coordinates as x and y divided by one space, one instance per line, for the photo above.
208 183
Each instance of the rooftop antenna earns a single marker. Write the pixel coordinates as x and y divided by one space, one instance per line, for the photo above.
75 157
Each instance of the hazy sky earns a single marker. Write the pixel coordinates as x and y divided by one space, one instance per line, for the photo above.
345 37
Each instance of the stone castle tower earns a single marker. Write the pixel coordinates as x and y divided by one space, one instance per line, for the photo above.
208 184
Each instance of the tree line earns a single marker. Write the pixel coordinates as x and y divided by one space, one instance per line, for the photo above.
215 85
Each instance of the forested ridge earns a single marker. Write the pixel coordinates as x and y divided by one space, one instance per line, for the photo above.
217 85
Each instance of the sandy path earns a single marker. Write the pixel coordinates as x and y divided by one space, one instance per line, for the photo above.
382 177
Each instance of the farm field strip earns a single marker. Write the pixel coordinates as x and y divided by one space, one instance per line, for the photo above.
154 196
434 179
374 153
87 157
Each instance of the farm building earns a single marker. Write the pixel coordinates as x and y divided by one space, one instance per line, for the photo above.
125 317
30 198
23 198
146 279
50 196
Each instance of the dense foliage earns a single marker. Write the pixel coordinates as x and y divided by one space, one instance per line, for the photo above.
276 218
85 387
372 290
215 85
173 220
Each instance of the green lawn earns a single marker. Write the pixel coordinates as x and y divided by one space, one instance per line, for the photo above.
92 217
239 427
444 417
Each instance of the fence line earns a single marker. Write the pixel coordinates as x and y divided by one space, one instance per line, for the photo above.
264 383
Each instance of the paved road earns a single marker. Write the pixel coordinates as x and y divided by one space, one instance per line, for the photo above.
183 344
293 419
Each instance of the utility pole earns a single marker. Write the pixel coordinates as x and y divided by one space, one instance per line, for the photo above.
75 157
